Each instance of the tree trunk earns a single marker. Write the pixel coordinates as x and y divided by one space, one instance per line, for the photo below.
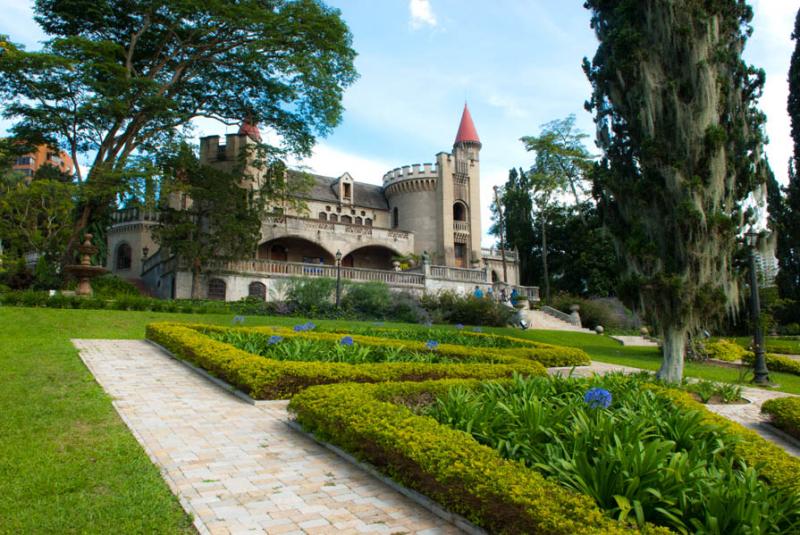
544 264
196 279
673 352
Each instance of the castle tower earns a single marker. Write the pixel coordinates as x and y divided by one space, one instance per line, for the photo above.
458 197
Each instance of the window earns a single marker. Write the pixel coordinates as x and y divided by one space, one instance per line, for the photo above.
395 218
124 256
359 221
461 254
459 212
334 218
346 219
368 222
216 289
257 289
348 190
363 213
327 208
323 216
24 160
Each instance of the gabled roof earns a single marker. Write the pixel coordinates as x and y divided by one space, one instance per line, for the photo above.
323 188
466 130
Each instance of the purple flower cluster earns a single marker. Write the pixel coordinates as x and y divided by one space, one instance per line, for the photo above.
274 339
432 345
477 330
308 326
459 326
346 340
238 320
597 397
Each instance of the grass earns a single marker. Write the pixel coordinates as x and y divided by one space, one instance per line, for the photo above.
775 344
69 465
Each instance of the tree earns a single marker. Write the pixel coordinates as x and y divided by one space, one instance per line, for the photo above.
207 213
117 78
518 232
32 221
674 105
788 220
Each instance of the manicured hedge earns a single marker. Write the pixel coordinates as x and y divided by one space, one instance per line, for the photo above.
784 413
777 466
777 363
264 378
447 465
727 350
374 422
548 355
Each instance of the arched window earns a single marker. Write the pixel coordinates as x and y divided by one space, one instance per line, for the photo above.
395 218
257 289
368 222
346 219
124 256
359 221
216 289
323 216
334 218
459 212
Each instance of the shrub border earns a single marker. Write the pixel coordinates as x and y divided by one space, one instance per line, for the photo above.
470 479
784 413
263 378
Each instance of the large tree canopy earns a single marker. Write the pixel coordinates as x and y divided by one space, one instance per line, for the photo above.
675 109
119 77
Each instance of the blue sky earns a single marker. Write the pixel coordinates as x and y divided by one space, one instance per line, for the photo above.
516 62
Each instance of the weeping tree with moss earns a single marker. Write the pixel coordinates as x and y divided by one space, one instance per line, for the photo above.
675 108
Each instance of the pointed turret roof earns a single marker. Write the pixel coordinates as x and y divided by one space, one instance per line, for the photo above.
250 129
466 130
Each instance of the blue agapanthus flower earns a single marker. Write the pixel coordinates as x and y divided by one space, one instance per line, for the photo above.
310 326
238 320
346 340
432 345
597 397
459 326
299 328
477 330
307 326
274 339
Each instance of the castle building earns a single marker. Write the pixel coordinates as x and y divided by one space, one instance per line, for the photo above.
429 212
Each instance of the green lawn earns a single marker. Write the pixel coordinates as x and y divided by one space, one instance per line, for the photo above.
69 465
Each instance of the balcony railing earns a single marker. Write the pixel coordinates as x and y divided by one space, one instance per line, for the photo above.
297 269
458 274
295 223
461 226
135 213
493 253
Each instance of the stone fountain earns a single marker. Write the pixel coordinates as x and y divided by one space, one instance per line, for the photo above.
85 271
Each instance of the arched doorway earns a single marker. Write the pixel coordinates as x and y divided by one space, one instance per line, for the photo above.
216 289
459 211
370 257
293 249
257 289
124 257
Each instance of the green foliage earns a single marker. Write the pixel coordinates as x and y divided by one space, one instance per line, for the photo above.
784 206
784 413
661 124
110 286
727 350
117 78
451 307
639 459
595 312
264 378
368 300
778 363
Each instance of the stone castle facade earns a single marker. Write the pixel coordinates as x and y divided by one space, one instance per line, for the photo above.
354 229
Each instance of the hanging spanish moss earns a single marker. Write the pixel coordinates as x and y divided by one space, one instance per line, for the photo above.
675 111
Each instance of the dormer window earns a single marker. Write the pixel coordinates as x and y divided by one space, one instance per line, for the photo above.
348 191
344 188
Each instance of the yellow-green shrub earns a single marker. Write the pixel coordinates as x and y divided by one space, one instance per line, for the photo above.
784 413
446 465
727 350
264 378
546 354
777 363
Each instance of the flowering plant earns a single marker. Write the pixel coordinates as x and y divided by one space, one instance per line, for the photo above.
308 326
346 341
274 339
432 345
597 397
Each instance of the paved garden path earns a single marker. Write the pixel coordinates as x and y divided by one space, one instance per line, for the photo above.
237 467
749 414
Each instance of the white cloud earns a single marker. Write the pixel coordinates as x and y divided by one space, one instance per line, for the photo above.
329 161
421 13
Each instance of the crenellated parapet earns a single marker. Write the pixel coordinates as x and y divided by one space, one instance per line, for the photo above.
411 178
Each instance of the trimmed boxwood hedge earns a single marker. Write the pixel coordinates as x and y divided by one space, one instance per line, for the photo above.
449 466
784 413
374 422
264 378
776 363
548 354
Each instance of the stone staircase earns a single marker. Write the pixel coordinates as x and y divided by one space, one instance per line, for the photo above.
539 320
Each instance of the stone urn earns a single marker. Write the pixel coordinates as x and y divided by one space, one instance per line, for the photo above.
85 271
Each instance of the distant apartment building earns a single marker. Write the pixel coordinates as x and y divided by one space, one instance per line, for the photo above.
28 164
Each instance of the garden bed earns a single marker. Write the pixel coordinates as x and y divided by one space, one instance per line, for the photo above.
501 454
784 414
280 376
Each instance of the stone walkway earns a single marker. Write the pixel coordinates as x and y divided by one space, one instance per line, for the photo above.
749 414
237 467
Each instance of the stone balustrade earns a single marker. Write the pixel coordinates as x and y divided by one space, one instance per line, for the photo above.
493 253
135 213
477 276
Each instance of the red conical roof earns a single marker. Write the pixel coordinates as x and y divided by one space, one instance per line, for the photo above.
251 130
466 130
